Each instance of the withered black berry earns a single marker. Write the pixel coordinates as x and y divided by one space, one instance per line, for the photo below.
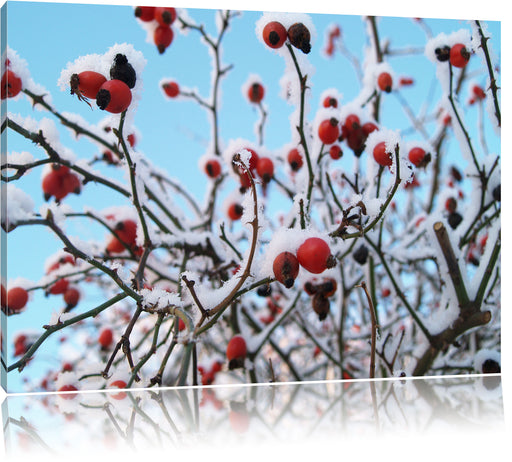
454 219
300 37
490 366
442 53
496 193
123 70
320 305
264 291
361 254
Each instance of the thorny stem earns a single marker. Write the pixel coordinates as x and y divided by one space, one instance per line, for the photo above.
493 86
300 128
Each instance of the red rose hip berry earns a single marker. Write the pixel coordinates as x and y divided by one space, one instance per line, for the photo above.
105 338
212 168
163 36
265 169
10 85
274 34
235 211
381 155
315 256
329 101
459 55
335 152
255 93
71 297
87 84
286 268
295 159
328 131
17 298
165 16
114 96
171 89
236 352
417 156
385 82
145 13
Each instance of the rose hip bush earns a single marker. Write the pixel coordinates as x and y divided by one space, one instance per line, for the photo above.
355 250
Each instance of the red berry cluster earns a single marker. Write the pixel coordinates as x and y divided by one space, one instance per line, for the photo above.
59 182
298 35
314 255
112 95
355 134
71 294
163 17
263 167
458 55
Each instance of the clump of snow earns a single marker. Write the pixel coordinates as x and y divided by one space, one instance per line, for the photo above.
21 206
20 158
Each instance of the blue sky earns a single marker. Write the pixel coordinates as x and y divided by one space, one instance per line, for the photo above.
48 36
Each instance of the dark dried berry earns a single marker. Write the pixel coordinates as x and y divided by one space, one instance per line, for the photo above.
320 306
300 37
361 254
123 70
496 193
454 219
310 288
490 366
456 175
443 53
264 291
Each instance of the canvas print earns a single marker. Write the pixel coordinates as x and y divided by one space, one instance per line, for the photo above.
207 197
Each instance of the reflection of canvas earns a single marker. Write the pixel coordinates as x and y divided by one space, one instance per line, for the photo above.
309 197
322 416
